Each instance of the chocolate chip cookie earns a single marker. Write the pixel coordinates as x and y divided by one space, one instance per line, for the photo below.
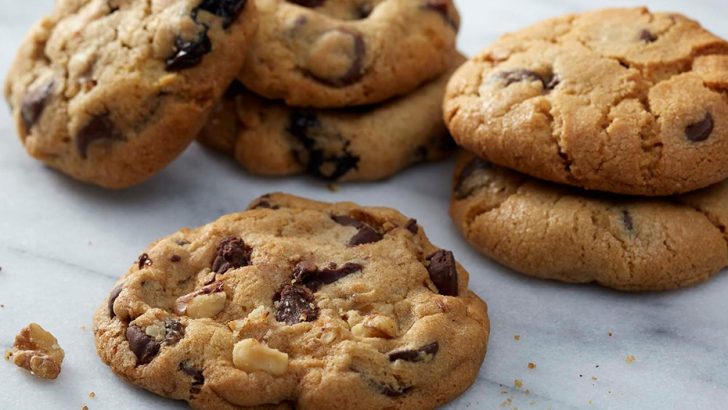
557 232
297 304
617 100
110 91
347 144
325 53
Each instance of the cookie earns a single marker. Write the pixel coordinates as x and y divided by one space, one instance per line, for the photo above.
557 232
319 53
348 144
109 92
297 304
617 100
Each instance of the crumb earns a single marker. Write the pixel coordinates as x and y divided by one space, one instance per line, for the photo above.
504 391
581 375
84 408
594 378
517 337
8 354
92 395
2 306
609 391
332 187
507 402
610 334
590 403
629 359
37 351
83 328
527 392
597 366
518 383
531 365
532 402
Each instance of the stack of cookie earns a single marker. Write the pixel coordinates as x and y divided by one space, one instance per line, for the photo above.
110 92
343 90
611 118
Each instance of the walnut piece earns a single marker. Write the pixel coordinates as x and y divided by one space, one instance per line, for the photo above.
250 355
37 351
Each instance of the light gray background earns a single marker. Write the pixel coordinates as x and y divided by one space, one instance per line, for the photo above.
62 244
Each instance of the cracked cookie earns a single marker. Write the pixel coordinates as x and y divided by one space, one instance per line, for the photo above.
111 91
557 232
327 54
297 304
617 100
348 144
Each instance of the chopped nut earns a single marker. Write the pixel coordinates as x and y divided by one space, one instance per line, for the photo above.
376 326
250 355
328 337
156 331
38 351
205 302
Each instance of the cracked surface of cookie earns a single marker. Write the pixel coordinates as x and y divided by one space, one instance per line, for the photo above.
348 144
301 316
111 91
330 53
616 100
557 232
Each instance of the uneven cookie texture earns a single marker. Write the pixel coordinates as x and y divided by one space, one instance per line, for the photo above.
297 304
348 144
328 53
557 232
617 100
109 92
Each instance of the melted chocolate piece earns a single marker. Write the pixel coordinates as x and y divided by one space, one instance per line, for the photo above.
188 54
308 3
443 272
627 220
415 355
366 233
232 253
174 332
33 104
390 391
175 258
411 226
548 82
462 189
295 304
310 276
198 379
144 261
144 347
701 130
100 127
647 36
112 298
356 68
229 10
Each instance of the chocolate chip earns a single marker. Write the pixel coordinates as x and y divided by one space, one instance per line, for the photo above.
143 346
366 233
188 54
33 104
647 36
391 391
100 127
627 220
144 261
411 226
235 89
232 253
174 332
463 188
308 3
175 258
701 130
309 275
355 71
198 379
295 304
415 355
265 204
112 298
519 75
442 8
443 272
229 10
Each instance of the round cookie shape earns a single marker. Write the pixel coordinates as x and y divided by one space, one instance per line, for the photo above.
109 92
329 54
297 304
348 144
616 100
557 232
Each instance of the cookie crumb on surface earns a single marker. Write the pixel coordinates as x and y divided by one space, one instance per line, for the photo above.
92 395
84 408
8 354
629 359
37 351
332 187
518 383
517 337
531 365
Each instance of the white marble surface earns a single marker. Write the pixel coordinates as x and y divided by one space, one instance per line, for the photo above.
63 243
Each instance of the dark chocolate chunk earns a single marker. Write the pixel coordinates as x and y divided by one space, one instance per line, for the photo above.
366 233
33 104
390 391
144 261
627 220
174 332
411 226
187 53
144 347
198 379
415 355
229 10
112 298
175 258
295 304
443 272
442 8
100 127
701 130
464 189
232 253
647 36
516 76
309 275
308 3
356 67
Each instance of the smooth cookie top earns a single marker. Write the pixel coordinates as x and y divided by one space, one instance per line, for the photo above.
618 100
556 232
297 303
325 53
109 92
